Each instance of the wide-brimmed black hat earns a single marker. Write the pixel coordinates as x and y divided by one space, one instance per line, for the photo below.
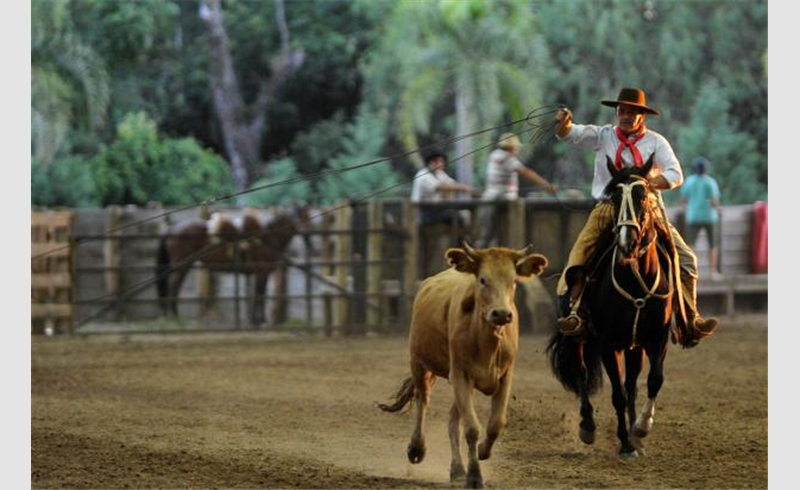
633 97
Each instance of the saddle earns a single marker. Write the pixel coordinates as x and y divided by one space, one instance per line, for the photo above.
221 228
666 246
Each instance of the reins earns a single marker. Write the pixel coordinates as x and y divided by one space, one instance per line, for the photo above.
627 217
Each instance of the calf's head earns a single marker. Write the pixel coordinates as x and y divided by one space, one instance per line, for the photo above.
497 271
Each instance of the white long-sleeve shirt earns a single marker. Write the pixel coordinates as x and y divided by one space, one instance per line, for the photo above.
603 140
426 185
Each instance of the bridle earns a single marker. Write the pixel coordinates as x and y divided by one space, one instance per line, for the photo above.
627 217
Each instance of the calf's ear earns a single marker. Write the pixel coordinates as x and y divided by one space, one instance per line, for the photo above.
459 259
531 265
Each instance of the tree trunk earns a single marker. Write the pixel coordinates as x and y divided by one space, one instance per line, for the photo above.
243 124
464 102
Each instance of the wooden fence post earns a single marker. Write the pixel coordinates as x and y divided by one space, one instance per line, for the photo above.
111 253
515 224
411 265
375 271
342 257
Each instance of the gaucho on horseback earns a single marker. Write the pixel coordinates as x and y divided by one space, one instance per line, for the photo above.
627 144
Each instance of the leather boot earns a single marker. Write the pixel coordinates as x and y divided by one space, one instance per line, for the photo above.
699 327
573 317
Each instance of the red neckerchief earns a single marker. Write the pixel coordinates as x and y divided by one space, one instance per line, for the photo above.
624 142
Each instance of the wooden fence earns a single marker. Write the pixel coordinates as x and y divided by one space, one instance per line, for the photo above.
357 270
51 271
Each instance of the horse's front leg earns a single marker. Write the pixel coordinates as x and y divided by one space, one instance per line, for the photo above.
497 417
619 399
174 290
260 290
655 379
462 391
633 367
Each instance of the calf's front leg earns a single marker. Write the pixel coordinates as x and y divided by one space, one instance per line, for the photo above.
462 391
497 417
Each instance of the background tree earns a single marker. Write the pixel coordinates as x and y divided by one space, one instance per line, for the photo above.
458 65
243 124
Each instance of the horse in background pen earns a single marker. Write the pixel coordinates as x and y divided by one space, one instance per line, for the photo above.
222 245
629 293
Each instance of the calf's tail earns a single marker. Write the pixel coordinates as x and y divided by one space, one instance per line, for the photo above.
403 397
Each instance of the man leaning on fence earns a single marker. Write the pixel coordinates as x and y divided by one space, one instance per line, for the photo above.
431 184
502 184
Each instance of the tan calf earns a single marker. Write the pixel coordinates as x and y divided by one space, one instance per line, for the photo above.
464 327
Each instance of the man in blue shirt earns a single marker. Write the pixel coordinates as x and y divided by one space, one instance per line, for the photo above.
700 195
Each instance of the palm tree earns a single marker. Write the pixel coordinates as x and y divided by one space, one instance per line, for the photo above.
69 83
479 56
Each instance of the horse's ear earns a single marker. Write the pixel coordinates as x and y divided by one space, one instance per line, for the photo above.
648 166
612 169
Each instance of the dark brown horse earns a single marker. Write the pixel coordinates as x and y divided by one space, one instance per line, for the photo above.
629 294
221 245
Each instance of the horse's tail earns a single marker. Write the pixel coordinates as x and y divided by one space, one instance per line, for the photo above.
574 363
162 269
403 397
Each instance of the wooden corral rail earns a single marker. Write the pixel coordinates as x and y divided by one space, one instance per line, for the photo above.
51 274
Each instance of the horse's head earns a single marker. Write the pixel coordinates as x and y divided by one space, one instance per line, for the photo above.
634 201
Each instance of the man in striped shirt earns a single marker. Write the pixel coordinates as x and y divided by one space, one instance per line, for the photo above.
628 143
502 183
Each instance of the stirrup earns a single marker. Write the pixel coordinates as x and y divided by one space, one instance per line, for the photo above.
571 325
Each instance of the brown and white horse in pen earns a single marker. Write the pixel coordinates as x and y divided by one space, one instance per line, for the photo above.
464 328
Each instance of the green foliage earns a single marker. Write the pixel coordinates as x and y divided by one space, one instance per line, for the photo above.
281 195
734 154
140 167
475 60
67 182
69 81
364 142
405 63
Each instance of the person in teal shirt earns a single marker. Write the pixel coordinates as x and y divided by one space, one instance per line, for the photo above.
700 195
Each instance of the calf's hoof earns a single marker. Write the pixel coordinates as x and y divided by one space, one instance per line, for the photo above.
416 453
474 481
457 471
474 478
628 453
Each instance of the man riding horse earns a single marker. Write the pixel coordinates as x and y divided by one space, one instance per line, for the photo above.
629 143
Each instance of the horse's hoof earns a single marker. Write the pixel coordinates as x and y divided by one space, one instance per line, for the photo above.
637 443
587 436
416 453
629 454
457 471
639 432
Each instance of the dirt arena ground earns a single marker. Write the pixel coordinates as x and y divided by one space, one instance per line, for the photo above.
269 411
